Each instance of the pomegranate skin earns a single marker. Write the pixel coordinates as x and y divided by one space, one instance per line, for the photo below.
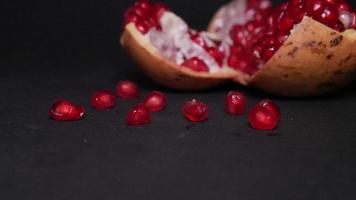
260 118
139 115
155 101
64 110
127 89
195 111
103 99
235 103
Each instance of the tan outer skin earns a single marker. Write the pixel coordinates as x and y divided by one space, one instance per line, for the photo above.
314 60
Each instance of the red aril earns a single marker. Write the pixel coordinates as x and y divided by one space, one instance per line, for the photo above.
103 99
196 64
271 107
235 103
64 110
261 118
155 101
127 89
195 111
138 115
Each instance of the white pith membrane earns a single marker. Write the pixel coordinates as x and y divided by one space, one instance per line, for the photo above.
174 43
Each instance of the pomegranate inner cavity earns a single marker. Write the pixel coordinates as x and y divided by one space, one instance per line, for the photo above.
247 32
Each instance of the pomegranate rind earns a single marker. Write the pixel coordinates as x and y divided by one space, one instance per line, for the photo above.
166 72
314 60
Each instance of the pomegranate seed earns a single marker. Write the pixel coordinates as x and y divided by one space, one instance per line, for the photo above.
138 115
271 107
261 118
344 7
195 111
155 101
217 55
127 89
196 64
329 16
235 103
103 99
64 110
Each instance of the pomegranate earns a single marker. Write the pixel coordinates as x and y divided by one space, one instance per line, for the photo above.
298 48
235 103
195 111
127 89
64 110
262 118
103 99
155 101
139 115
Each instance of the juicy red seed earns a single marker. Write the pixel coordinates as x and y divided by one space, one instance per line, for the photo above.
344 7
268 53
286 23
261 118
329 16
155 101
127 89
235 103
64 110
217 55
271 107
138 115
195 111
196 64
103 99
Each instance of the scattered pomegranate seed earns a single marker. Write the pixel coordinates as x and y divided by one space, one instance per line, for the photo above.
261 118
196 64
139 115
235 103
271 107
64 110
155 101
127 89
195 111
103 99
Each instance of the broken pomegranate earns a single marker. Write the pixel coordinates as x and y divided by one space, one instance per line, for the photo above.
262 118
195 111
298 48
64 110
155 101
127 89
139 115
235 103
103 99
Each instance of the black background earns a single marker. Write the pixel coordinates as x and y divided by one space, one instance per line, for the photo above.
53 49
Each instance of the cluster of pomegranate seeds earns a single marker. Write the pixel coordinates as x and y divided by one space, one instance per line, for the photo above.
155 101
235 103
195 111
103 99
127 89
245 36
215 50
138 115
64 110
145 15
196 64
264 116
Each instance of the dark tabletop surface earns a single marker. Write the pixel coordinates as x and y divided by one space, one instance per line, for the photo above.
64 48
